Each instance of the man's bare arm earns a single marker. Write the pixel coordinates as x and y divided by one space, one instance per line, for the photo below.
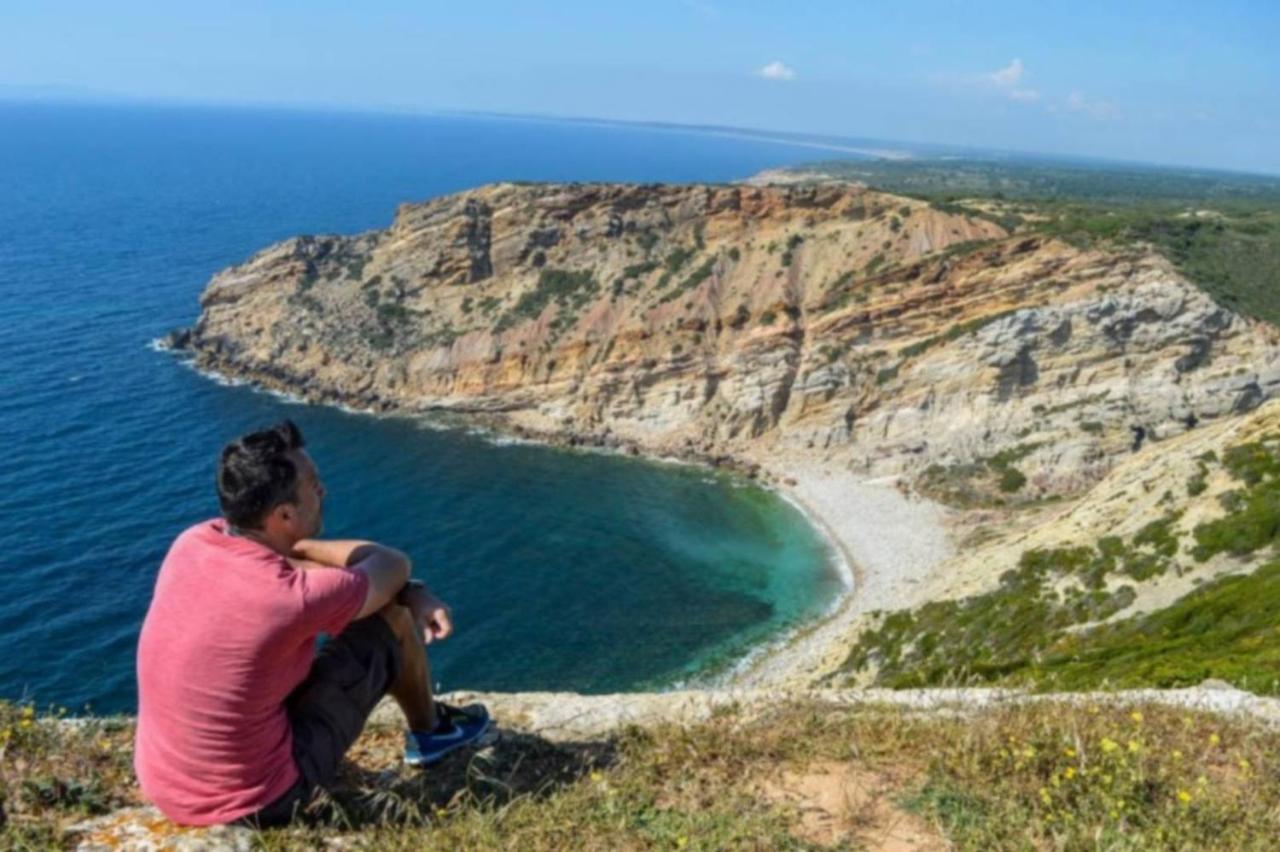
387 568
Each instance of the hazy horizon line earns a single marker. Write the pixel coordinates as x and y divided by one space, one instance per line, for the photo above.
865 146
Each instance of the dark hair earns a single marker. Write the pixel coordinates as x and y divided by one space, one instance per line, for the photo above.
255 474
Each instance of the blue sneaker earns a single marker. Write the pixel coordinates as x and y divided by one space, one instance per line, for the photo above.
455 727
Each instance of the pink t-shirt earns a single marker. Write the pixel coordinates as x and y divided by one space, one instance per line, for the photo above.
230 632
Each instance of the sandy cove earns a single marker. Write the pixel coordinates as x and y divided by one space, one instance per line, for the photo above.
887 544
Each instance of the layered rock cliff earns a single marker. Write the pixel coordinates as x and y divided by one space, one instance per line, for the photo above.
869 330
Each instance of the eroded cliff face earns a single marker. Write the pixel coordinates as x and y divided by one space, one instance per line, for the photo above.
828 321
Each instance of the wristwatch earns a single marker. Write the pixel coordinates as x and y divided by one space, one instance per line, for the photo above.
402 595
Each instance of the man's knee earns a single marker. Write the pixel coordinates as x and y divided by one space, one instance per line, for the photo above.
399 619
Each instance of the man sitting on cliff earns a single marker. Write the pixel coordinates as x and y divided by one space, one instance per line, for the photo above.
239 718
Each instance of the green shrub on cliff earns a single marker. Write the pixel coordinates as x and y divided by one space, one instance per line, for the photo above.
568 289
985 482
691 282
1228 629
987 637
1253 522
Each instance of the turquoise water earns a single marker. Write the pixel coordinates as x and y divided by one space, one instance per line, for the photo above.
566 570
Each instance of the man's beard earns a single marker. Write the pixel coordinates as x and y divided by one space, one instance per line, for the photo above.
318 525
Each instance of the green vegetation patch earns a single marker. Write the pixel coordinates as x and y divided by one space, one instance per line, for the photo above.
691 282
674 262
983 483
638 270
1231 251
1023 632
1228 629
1253 519
569 290
793 243
355 266
990 637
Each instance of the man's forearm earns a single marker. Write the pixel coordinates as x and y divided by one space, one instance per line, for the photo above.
339 553
386 567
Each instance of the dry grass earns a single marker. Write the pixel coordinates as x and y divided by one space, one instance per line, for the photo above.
805 775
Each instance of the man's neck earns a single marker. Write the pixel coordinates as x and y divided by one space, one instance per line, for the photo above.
282 547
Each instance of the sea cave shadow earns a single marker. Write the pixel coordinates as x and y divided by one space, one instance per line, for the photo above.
516 765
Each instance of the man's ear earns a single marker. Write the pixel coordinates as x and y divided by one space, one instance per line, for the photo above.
281 514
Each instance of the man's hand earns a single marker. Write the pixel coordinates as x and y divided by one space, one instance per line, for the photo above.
431 614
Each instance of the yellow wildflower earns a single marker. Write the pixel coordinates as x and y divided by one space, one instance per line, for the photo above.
1244 764
1044 795
596 776
1135 746
1214 739
1184 796
1177 755
1135 716
1109 745
1070 752
1070 773
682 842
24 724
1028 752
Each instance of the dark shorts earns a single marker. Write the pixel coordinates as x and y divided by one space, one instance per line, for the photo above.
327 711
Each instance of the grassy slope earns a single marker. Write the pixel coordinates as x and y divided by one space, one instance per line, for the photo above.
1022 632
1044 776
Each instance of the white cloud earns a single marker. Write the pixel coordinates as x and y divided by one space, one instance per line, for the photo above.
776 70
704 9
1009 75
1077 102
1006 80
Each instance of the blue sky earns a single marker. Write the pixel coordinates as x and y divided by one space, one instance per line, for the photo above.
1169 82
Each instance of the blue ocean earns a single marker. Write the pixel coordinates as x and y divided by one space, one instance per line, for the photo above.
566 570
